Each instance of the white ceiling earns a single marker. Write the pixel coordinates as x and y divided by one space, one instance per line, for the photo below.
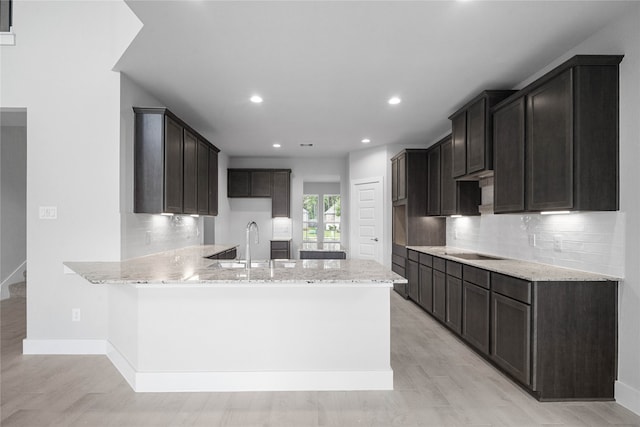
326 69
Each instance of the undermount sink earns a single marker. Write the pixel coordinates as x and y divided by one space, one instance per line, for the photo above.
241 263
474 256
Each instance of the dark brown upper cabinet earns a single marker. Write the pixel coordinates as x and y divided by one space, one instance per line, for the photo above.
190 174
456 197
256 183
202 183
433 181
410 225
249 182
508 147
280 193
399 177
569 118
471 130
213 181
166 164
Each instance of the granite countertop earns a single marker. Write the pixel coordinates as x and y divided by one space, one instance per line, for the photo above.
526 270
190 266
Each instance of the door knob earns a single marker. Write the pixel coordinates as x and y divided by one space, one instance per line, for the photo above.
375 239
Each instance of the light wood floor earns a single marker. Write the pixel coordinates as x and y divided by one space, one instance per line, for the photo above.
438 382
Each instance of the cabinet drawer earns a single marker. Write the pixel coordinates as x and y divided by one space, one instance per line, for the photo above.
396 259
454 269
426 260
517 289
399 250
439 264
413 255
477 276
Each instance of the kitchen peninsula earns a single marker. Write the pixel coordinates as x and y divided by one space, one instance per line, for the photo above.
179 321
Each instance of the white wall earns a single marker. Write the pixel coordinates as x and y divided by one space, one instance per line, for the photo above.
603 242
143 234
234 221
60 71
13 205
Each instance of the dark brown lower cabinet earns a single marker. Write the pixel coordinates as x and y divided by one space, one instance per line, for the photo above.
413 276
399 265
475 316
280 249
454 304
511 336
439 294
426 288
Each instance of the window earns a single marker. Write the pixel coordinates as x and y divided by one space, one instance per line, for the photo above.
310 218
331 218
318 228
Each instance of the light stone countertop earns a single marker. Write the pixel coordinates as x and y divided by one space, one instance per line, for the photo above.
526 270
189 266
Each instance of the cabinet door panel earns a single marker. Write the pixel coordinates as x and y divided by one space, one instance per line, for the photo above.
213 181
414 278
475 316
433 184
203 178
426 288
190 173
260 183
454 304
459 138
394 180
508 146
448 184
476 137
511 336
402 177
550 145
439 294
238 183
173 175
280 194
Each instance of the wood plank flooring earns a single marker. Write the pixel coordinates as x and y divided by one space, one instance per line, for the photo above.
438 382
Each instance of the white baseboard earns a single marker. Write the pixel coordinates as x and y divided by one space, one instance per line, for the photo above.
263 381
627 396
30 346
122 365
249 381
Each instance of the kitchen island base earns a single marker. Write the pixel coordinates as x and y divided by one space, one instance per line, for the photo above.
251 337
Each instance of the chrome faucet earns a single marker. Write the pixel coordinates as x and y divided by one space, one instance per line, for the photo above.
251 226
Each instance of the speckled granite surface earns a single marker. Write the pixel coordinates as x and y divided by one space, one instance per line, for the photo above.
522 269
189 266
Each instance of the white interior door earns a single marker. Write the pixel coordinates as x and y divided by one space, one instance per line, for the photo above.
367 224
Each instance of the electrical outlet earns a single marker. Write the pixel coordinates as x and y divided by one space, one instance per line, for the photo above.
48 212
75 314
557 242
147 238
532 240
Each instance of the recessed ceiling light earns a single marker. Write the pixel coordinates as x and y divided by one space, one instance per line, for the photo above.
277 145
306 145
256 99
394 100
366 141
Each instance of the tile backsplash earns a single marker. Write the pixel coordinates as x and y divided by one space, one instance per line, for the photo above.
143 234
589 241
